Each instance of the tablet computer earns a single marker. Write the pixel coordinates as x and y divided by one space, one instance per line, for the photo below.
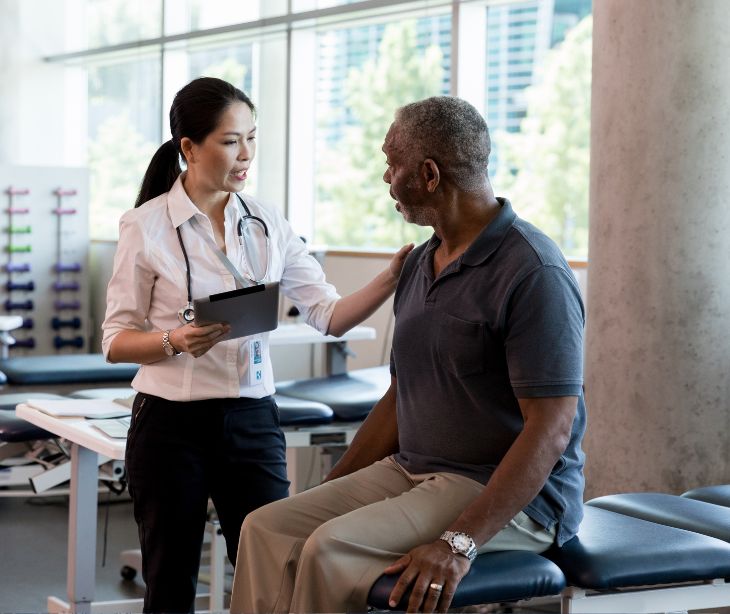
248 310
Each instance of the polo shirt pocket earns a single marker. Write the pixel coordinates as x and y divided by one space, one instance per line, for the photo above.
461 346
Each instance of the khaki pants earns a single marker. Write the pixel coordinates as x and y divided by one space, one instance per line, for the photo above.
321 550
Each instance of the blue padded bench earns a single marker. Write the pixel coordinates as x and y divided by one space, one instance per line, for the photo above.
613 550
300 412
350 395
718 494
13 429
619 563
64 369
495 577
671 510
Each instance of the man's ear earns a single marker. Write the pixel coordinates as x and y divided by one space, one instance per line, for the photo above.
431 174
186 146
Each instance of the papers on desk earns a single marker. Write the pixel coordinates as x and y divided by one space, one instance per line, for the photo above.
115 428
80 408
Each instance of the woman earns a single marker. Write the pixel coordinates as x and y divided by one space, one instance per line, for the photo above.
204 423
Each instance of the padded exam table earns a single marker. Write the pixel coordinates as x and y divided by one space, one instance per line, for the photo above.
616 563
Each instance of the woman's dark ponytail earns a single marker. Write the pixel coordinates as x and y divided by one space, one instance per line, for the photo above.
161 173
194 114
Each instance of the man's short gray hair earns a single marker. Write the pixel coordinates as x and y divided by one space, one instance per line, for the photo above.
450 131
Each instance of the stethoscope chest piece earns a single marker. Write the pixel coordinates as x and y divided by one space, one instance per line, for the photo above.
186 315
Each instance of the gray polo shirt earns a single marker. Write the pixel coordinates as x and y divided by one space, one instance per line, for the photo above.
504 321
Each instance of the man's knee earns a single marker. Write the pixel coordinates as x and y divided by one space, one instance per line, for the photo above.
322 544
267 517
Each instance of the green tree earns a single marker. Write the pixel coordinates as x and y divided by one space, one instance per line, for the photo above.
544 168
353 202
118 159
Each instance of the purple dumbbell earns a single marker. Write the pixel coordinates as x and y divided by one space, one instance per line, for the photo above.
62 305
59 286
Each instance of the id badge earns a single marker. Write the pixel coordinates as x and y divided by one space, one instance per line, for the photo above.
255 362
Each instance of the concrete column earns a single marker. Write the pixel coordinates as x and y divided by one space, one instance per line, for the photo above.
658 333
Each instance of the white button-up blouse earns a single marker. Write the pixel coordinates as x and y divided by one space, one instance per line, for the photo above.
148 288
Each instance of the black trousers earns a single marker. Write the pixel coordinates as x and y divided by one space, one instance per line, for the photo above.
178 455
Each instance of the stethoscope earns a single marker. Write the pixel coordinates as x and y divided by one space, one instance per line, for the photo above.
248 225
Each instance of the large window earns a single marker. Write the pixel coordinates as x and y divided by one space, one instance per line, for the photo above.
326 78
364 74
124 132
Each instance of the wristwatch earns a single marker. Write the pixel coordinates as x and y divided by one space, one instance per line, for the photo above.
167 346
460 543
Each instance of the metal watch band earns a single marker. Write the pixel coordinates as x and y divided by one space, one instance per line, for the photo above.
167 346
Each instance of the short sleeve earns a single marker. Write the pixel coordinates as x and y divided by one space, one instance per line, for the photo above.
544 324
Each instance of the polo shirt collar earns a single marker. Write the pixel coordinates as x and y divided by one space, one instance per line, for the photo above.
486 242
491 237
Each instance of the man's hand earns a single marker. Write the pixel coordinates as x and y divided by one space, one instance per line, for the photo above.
425 569
197 340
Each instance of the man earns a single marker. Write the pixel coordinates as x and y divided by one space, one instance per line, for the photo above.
476 445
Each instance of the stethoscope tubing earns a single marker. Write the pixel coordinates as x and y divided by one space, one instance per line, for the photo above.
187 313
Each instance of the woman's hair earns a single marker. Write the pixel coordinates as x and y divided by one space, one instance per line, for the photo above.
195 113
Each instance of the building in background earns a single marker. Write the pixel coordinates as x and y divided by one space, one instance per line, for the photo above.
518 38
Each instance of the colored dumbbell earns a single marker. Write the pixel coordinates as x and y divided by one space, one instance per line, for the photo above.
12 305
18 249
60 342
17 267
24 343
62 305
58 323
20 230
59 286
60 211
27 323
72 267
12 285
11 191
61 192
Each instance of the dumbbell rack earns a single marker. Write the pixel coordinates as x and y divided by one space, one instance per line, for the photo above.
44 248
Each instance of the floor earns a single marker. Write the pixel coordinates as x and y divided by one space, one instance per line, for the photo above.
33 542
33 539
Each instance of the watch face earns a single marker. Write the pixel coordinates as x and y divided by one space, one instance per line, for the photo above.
461 542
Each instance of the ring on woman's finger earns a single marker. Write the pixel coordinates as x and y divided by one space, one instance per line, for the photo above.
436 587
